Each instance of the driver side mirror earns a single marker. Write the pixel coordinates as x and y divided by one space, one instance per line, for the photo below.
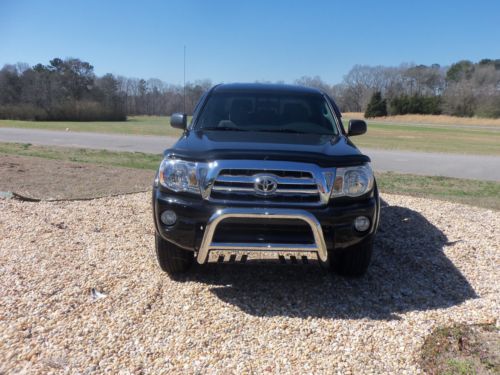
178 121
356 127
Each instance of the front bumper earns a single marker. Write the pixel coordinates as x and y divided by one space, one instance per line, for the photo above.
266 214
197 221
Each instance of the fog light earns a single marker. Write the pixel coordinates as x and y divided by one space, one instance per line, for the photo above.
361 223
168 217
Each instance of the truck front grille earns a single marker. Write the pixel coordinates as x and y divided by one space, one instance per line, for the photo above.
239 185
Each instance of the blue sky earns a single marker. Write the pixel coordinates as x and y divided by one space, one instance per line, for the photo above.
247 40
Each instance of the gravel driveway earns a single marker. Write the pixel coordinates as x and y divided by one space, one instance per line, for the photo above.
79 293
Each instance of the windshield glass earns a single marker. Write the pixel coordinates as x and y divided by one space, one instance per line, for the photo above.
268 112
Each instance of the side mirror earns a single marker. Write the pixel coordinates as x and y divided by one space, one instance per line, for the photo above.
178 121
356 127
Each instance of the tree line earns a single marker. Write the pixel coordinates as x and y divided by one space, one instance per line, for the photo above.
62 90
463 89
68 89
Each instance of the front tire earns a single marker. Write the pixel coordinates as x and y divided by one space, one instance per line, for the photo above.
354 260
172 259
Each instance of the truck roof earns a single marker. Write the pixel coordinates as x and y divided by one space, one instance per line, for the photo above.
265 87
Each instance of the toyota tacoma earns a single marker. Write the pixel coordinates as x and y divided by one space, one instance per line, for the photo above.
263 171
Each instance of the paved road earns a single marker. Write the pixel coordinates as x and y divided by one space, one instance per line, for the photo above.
114 142
479 167
437 164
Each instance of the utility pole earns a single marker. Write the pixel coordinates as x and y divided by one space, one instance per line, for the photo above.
184 79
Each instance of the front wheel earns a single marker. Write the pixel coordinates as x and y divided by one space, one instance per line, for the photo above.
172 259
353 260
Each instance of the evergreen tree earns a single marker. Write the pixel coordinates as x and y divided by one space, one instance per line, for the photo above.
377 106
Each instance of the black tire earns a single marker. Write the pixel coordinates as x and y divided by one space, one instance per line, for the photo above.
172 259
354 260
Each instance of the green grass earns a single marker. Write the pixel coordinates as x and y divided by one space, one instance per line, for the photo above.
473 192
477 193
383 136
140 125
137 160
431 139
460 367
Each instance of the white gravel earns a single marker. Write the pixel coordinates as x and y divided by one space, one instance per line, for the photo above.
79 293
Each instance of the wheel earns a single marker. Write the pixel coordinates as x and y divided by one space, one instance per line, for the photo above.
172 259
354 260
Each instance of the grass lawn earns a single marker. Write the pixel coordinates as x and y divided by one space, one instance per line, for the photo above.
383 136
477 193
473 192
431 139
429 119
140 125
137 160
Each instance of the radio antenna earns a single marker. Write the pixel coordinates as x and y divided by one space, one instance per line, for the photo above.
184 79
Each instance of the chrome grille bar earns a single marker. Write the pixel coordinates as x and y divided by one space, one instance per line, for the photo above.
232 188
297 184
229 189
280 180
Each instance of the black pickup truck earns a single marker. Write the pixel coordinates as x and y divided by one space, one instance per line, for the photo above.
268 171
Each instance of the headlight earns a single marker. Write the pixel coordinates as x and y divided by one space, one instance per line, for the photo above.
352 181
178 175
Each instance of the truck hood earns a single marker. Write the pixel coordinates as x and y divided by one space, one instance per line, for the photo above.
323 150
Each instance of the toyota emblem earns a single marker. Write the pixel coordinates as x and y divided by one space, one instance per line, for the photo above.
265 185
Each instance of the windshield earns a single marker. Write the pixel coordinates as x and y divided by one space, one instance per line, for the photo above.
267 112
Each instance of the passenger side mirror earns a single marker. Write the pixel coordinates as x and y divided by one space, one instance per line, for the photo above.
356 127
178 121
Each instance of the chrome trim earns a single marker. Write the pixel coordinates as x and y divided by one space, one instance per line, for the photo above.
296 191
282 257
252 190
264 185
207 245
236 188
322 180
279 180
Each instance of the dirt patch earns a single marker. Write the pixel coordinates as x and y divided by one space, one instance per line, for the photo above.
462 349
47 179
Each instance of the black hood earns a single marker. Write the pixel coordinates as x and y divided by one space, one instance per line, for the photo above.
323 150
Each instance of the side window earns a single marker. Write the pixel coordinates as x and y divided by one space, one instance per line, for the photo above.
197 108
327 114
338 116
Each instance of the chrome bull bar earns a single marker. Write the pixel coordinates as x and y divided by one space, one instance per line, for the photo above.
208 245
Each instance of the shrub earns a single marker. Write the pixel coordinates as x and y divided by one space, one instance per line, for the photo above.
377 107
86 111
22 112
489 107
416 104
68 111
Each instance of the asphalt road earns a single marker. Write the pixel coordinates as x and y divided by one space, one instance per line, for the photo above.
424 163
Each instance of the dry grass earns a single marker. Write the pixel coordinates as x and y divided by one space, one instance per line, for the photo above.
139 125
428 119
